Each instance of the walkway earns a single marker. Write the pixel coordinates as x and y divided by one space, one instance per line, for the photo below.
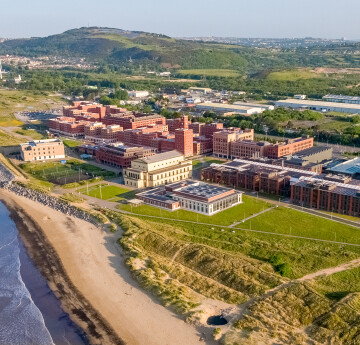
253 216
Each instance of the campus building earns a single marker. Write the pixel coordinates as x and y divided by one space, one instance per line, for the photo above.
132 121
333 193
254 175
119 155
157 170
41 150
193 196
349 167
330 193
99 133
68 126
184 140
289 147
178 123
223 139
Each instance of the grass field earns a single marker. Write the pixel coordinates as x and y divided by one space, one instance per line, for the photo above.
293 75
7 139
227 217
288 221
209 72
72 143
72 171
107 192
198 164
31 133
12 101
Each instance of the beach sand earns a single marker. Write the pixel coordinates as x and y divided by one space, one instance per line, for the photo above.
83 265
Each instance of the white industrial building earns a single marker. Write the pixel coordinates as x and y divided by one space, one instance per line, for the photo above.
228 108
342 99
138 94
255 105
319 106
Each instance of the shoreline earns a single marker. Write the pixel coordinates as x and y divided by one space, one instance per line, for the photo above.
84 267
48 262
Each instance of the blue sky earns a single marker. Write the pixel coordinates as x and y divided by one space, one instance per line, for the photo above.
240 18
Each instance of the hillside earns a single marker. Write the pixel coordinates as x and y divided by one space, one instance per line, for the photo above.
109 45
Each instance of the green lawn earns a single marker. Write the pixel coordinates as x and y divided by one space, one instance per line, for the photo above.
280 220
210 72
31 133
72 143
107 192
293 75
197 164
303 256
235 214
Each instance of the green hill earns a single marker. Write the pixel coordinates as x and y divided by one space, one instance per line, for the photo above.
116 46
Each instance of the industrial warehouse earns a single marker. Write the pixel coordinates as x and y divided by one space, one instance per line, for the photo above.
319 106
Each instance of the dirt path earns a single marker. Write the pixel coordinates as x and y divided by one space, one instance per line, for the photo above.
331 270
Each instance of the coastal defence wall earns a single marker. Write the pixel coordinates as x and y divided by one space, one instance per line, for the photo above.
7 182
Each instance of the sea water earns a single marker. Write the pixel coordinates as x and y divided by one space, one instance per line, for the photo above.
30 314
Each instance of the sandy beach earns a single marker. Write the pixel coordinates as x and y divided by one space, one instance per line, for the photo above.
85 269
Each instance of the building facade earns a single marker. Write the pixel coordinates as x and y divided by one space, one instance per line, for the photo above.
41 150
193 196
121 156
157 170
184 139
319 106
223 139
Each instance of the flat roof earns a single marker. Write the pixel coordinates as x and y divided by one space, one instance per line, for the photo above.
41 142
202 190
348 98
162 156
253 105
225 105
306 102
348 167
311 151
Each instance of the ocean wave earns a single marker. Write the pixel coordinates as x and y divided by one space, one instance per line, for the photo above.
21 322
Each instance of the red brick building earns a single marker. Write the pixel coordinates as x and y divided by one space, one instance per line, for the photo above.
333 194
120 156
128 121
67 126
289 147
184 141
178 123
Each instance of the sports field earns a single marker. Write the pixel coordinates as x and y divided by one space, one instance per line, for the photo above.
107 192
62 174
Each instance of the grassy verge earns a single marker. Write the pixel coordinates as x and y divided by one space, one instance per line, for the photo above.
237 213
288 221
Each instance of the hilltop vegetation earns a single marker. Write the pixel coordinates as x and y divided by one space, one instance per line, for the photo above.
120 46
